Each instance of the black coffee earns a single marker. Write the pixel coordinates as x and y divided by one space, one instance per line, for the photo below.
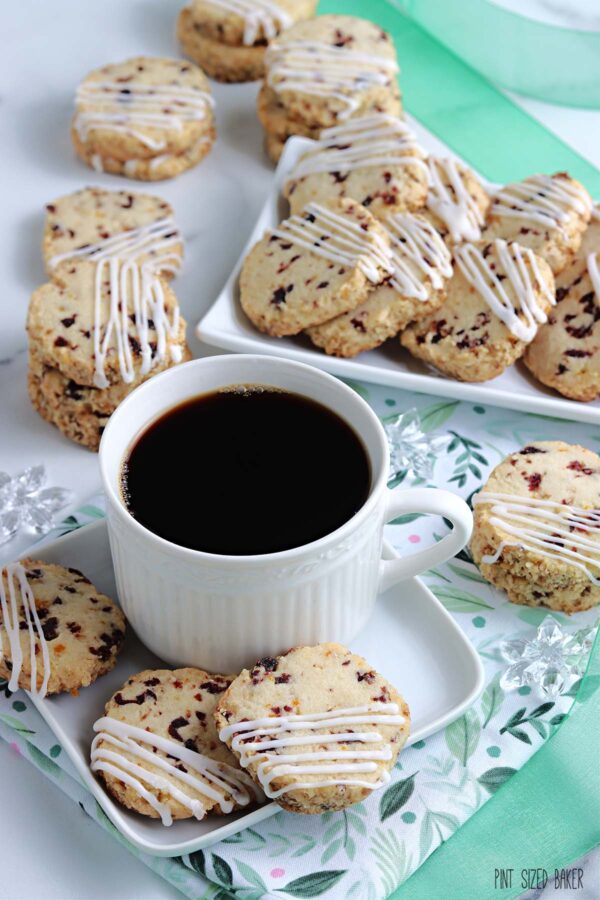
246 470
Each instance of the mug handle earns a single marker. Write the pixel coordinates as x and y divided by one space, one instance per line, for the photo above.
438 503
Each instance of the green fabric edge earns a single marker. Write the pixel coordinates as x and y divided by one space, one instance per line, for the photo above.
463 109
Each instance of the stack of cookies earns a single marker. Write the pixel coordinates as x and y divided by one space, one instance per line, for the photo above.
145 118
228 38
322 72
108 319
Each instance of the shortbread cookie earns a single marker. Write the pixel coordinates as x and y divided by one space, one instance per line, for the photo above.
422 266
313 267
374 159
498 297
317 728
79 411
547 213
57 632
565 353
155 114
331 68
78 324
227 38
457 202
91 223
157 750
537 527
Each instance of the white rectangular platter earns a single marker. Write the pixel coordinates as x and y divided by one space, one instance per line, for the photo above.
411 639
226 326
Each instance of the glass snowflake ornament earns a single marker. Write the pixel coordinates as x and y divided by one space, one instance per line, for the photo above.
549 662
26 503
411 449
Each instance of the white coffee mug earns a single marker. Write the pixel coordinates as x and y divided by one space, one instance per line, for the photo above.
221 613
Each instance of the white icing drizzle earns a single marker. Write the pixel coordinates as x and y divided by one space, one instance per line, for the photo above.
321 70
594 273
478 273
542 199
269 737
130 109
376 140
97 163
546 527
20 600
456 208
154 239
419 253
211 779
338 239
133 290
258 15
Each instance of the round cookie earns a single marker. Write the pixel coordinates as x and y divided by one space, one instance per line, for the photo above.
496 300
373 159
456 202
330 68
62 325
158 752
94 220
141 111
313 267
228 39
547 213
65 634
565 353
537 527
317 728
422 265
79 411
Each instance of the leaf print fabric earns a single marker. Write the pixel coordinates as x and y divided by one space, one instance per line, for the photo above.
365 852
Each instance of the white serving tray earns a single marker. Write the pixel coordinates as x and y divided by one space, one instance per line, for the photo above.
226 326
411 639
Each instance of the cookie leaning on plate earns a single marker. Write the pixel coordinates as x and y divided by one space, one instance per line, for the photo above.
547 213
92 222
65 634
373 159
157 750
565 353
317 728
146 118
313 267
537 527
498 297
457 201
422 266
228 38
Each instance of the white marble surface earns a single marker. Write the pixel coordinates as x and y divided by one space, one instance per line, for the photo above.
51 851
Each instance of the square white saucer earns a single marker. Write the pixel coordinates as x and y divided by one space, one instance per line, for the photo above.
410 639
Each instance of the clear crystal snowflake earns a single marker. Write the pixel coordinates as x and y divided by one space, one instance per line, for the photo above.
26 503
551 661
411 449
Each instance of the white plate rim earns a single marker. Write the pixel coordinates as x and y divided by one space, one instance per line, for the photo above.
210 331
181 848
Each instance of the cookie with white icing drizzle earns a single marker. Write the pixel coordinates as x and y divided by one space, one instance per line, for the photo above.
547 213
374 159
157 750
537 527
565 353
497 299
422 266
331 68
91 221
142 113
317 728
457 201
313 267
57 632
228 38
